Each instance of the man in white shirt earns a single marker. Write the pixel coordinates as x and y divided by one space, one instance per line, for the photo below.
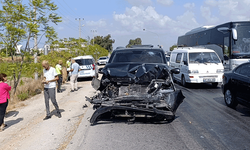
50 78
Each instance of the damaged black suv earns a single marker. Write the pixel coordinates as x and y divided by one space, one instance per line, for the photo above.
136 82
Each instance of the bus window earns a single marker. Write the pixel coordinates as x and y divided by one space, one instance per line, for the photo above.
226 46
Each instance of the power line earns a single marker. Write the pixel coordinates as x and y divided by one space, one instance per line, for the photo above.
69 7
63 6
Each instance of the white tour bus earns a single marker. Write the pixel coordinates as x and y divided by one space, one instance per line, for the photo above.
197 65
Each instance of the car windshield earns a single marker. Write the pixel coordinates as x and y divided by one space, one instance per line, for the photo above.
142 56
203 57
84 61
102 58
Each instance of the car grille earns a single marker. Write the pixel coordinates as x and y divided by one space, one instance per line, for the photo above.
208 76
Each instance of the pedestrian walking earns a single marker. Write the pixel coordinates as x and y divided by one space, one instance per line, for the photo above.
49 81
59 74
4 96
75 68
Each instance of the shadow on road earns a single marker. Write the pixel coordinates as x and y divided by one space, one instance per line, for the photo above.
11 113
138 120
84 79
245 111
13 122
200 86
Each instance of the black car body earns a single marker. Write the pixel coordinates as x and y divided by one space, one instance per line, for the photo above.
236 86
136 82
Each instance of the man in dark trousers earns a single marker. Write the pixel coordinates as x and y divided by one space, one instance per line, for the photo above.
50 78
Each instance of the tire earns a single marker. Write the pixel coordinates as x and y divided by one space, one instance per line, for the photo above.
215 84
230 99
183 81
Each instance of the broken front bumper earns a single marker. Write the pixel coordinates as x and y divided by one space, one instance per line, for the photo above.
162 105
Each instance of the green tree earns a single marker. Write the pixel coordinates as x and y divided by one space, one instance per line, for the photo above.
21 22
136 41
172 47
105 42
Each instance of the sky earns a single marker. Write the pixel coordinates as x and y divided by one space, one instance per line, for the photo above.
156 22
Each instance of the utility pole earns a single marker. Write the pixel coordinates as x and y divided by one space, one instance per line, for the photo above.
93 36
35 47
80 30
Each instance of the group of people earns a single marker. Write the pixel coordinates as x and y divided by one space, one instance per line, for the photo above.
51 75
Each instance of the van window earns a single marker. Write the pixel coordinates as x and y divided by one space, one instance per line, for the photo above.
178 58
84 61
203 57
173 57
185 57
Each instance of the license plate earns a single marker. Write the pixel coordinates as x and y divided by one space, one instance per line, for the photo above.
209 80
82 73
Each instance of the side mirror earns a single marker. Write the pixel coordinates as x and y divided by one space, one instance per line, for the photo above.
185 63
234 32
175 71
226 57
100 70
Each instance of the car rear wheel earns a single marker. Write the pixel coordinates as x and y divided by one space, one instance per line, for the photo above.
215 84
230 99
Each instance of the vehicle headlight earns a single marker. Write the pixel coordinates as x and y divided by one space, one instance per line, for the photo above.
193 71
219 70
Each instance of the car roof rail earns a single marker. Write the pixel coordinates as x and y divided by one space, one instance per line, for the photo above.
149 46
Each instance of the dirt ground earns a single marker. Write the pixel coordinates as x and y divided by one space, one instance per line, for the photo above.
27 130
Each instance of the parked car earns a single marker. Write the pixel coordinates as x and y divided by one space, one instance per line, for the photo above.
136 82
103 60
87 65
236 86
197 65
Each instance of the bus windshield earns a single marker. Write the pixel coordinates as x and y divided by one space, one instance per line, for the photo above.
241 47
203 57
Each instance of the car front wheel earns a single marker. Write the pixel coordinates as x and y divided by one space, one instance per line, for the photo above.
183 81
230 99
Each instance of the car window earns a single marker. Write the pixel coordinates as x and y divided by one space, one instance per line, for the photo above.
142 56
244 70
178 57
84 61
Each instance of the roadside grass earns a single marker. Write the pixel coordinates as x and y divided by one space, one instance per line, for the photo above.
27 88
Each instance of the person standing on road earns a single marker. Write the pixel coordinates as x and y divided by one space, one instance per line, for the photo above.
59 73
4 96
68 65
75 68
49 81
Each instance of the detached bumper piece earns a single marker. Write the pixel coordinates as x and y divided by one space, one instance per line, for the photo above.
137 106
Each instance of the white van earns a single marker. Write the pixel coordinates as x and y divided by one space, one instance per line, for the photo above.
87 65
197 65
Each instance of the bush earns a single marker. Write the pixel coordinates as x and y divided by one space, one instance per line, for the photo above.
23 96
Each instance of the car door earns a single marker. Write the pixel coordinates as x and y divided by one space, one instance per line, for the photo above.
178 64
184 67
241 80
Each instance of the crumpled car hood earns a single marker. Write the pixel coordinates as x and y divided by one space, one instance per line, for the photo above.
137 72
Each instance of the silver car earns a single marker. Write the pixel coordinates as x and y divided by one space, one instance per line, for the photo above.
103 60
